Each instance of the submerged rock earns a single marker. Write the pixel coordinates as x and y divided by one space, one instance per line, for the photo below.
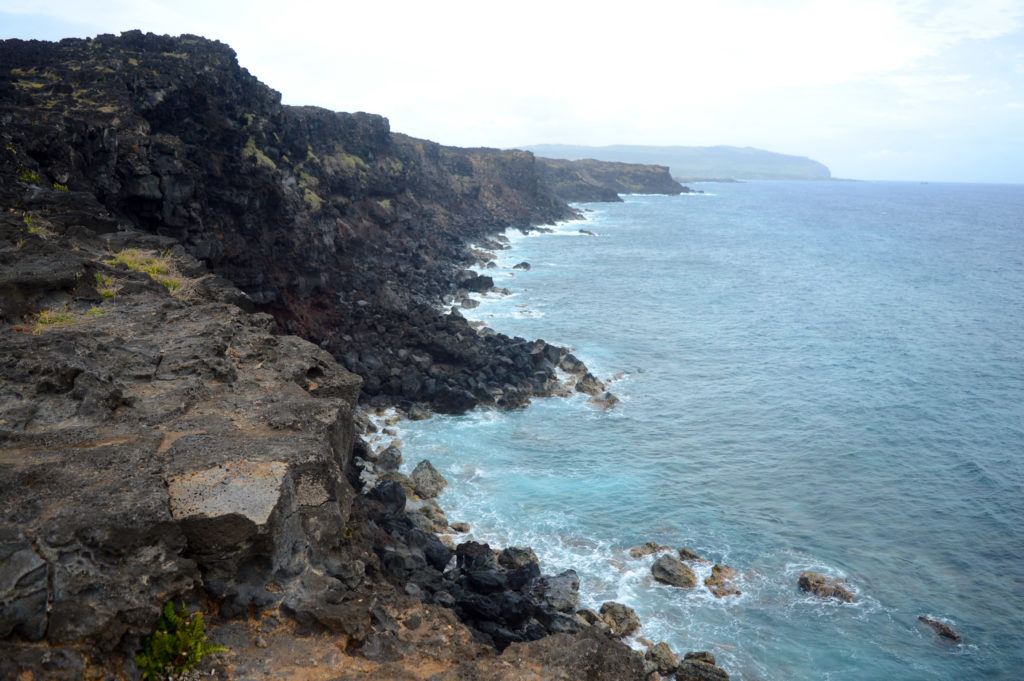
605 400
670 570
687 554
720 581
826 587
647 549
941 628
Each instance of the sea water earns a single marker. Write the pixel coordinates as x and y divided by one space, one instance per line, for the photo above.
813 376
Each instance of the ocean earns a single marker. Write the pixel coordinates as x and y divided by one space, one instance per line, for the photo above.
820 376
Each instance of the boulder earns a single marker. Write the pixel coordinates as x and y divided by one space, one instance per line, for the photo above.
720 581
389 460
826 587
670 570
572 364
559 592
661 657
521 266
515 557
591 618
941 628
621 619
700 667
427 482
589 384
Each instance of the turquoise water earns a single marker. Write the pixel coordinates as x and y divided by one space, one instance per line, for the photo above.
824 376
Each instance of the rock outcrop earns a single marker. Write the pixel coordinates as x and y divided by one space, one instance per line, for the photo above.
590 180
825 587
672 571
720 582
158 442
941 628
155 443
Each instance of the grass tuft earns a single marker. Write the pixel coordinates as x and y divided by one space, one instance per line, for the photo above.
158 267
48 318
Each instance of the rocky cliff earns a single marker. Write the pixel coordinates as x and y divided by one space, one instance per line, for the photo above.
159 443
590 180
162 437
348 234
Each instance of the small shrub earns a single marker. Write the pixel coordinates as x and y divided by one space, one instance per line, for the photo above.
60 187
105 285
178 644
26 175
170 283
95 312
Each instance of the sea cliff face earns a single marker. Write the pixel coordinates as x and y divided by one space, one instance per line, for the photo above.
163 437
590 180
347 234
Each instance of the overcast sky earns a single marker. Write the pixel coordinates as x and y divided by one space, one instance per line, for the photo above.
889 90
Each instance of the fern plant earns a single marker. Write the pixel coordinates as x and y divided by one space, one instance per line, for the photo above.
177 645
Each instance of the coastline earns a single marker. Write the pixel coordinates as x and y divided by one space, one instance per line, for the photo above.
393 431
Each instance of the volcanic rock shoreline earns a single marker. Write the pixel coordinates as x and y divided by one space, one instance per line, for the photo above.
198 288
348 234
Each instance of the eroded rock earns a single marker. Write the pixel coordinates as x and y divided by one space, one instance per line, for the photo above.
427 482
670 570
621 619
941 628
700 666
720 583
825 587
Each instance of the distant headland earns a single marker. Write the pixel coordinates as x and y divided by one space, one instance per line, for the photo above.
692 164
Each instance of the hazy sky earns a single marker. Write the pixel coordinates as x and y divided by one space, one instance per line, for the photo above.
895 89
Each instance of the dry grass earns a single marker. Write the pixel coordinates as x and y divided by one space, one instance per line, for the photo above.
158 266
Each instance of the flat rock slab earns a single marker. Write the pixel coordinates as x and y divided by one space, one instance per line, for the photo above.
250 489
